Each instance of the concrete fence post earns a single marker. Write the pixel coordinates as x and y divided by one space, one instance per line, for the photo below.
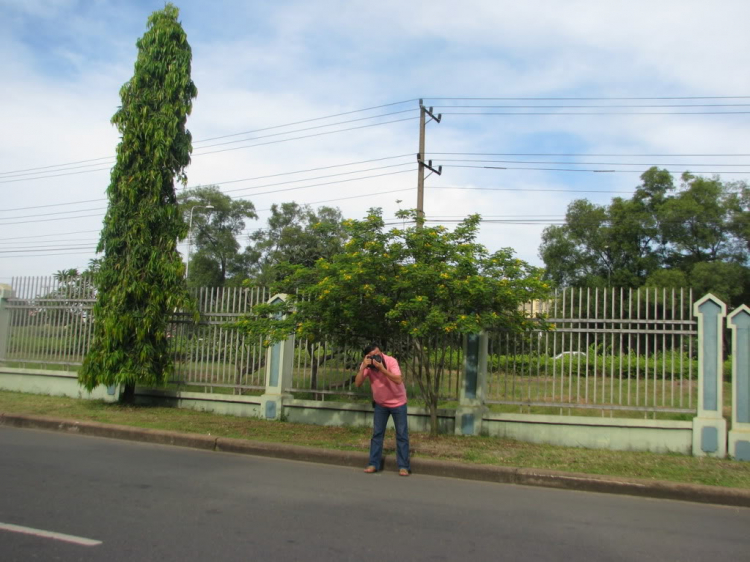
6 293
709 426
739 436
471 407
279 361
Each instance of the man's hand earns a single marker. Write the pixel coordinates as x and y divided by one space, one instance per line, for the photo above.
360 378
378 365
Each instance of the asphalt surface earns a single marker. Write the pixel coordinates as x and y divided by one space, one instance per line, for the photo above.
497 474
155 502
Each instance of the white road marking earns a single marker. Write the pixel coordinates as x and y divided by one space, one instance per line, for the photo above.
49 535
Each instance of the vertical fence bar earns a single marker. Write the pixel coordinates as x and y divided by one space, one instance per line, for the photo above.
205 330
674 327
21 319
664 349
554 351
638 351
649 370
34 314
579 326
683 350
36 349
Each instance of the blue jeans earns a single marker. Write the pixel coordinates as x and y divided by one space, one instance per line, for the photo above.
380 419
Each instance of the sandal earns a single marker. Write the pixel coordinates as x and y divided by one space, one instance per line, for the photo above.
370 469
404 472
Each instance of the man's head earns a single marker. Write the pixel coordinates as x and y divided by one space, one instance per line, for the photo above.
372 349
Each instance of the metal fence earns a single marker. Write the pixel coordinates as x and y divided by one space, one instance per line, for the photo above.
211 354
50 321
51 326
322 369
609 349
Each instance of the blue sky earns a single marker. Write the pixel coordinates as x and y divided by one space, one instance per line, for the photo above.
264 64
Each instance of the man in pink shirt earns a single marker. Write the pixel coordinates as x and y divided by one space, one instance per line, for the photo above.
389 399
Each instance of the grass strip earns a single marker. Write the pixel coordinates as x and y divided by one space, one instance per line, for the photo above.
476 450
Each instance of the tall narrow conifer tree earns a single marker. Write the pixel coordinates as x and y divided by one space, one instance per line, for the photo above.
140 282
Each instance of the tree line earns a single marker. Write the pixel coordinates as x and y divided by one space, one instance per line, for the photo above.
294 234
692 234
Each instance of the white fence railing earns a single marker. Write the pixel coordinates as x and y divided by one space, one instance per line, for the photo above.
609 349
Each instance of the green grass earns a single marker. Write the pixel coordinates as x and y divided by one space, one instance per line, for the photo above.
475 450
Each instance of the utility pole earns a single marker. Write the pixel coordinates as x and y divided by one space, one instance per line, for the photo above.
423 113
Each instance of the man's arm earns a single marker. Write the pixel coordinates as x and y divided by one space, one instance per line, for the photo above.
360 378
394 374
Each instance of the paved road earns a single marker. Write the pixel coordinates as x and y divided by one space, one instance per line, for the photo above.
149 502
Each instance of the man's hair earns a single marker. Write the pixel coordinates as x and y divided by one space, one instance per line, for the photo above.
368 349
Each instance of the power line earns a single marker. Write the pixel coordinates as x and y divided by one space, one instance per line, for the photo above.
688 164
16 180
55 213
22 243
223 136
300 122
307 120
59 165
372 194
49 248
591 98
52 205
585 170
254 194
49 235
234 148
568 106
527 189
237 147
335 182
61 253
320 168
526 113
369 194
306 129
319 177
235 190
583 154
310 136
49 220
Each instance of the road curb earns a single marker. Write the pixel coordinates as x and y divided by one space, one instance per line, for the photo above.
112 431
507 475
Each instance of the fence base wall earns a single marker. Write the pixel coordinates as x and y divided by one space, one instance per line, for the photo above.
656 436
360 415
223 404
52 383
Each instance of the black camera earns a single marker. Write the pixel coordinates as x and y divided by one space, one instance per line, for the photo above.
378 358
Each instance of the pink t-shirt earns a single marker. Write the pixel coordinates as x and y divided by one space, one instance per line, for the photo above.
384 391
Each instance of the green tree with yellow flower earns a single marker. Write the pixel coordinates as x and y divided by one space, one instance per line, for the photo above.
403 287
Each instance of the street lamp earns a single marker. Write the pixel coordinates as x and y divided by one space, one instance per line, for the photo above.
190 233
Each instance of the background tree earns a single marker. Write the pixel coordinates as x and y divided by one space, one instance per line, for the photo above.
216 259
403 287
295 235
140 280
694 235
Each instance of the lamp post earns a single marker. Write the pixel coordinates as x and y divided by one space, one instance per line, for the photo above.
190 233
